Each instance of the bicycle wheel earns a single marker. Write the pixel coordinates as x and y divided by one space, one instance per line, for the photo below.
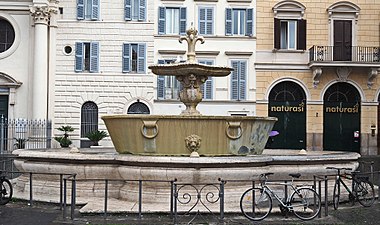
6 191
305 203
255 204
365 193
336 194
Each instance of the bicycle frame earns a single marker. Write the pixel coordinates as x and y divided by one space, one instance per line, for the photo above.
270 191
340 181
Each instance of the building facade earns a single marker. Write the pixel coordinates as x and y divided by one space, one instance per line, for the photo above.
90 58
316 68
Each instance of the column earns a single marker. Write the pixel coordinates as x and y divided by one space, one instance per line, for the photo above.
40 14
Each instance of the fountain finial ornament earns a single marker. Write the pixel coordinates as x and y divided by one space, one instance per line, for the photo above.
191 74
191 38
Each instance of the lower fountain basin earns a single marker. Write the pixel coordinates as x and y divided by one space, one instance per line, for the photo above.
177 135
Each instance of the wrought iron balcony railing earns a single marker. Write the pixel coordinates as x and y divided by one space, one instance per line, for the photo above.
343 53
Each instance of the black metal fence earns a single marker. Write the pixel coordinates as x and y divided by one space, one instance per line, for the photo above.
350 53
24 134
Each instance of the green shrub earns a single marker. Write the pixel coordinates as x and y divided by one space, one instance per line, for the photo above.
95 136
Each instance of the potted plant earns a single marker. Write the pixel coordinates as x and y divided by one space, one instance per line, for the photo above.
20 143
95 136
64 140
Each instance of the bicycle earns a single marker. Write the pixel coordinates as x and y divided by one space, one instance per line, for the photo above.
6 189
256 203
362 189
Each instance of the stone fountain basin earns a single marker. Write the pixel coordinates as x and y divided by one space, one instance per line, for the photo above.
166 134
183 69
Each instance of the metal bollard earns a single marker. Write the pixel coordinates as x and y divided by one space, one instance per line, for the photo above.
171 198
326 197
73 196
30 189
60 191
64 197
140 199
221 195
105 198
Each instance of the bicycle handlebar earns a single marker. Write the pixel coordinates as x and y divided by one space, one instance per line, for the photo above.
338 168
265 174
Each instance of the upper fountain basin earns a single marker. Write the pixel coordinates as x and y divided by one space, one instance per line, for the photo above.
184 69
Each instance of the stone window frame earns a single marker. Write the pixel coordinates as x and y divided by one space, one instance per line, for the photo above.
17 40
290 10
343 10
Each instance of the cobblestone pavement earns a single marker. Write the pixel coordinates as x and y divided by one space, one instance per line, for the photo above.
19 213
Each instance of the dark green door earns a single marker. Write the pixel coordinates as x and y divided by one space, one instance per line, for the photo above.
287 102
341 118
290 125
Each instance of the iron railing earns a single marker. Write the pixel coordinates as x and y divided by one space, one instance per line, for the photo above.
350 53
24 134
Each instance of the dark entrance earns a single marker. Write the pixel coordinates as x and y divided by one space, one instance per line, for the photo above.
287 102
341 118
4 106
342 40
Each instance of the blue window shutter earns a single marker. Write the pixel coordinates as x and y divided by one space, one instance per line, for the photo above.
228 21
128 10
210 21
142 10
161 83
79 46
242 80
235 81
126 58
161 20
95 10
94 57
249 28
141 58
202 21
206 88
80 9
182 20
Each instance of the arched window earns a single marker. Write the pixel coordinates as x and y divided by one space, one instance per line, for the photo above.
138 108
287 91
89 118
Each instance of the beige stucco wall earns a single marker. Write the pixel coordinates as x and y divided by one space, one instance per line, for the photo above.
318 22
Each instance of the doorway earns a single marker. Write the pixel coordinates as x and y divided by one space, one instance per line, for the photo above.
287 102
342 40
341 118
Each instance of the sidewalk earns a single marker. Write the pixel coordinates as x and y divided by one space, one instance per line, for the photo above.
19 213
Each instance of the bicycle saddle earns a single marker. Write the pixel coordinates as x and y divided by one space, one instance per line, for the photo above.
295 175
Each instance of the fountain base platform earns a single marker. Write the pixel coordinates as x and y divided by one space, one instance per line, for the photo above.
99 164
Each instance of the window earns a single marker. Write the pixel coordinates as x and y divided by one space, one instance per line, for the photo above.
7 35
89 121
239 22
138 108
289 25
135 10
172 20
238 80
88 9
87 57
134 59
168 87
290 34
207 87
206 20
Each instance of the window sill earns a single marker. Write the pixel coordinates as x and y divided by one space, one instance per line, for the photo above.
287 51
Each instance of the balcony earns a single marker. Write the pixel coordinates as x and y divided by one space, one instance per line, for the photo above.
344 59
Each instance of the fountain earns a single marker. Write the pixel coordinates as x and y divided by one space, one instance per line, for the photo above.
157 147
189 133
